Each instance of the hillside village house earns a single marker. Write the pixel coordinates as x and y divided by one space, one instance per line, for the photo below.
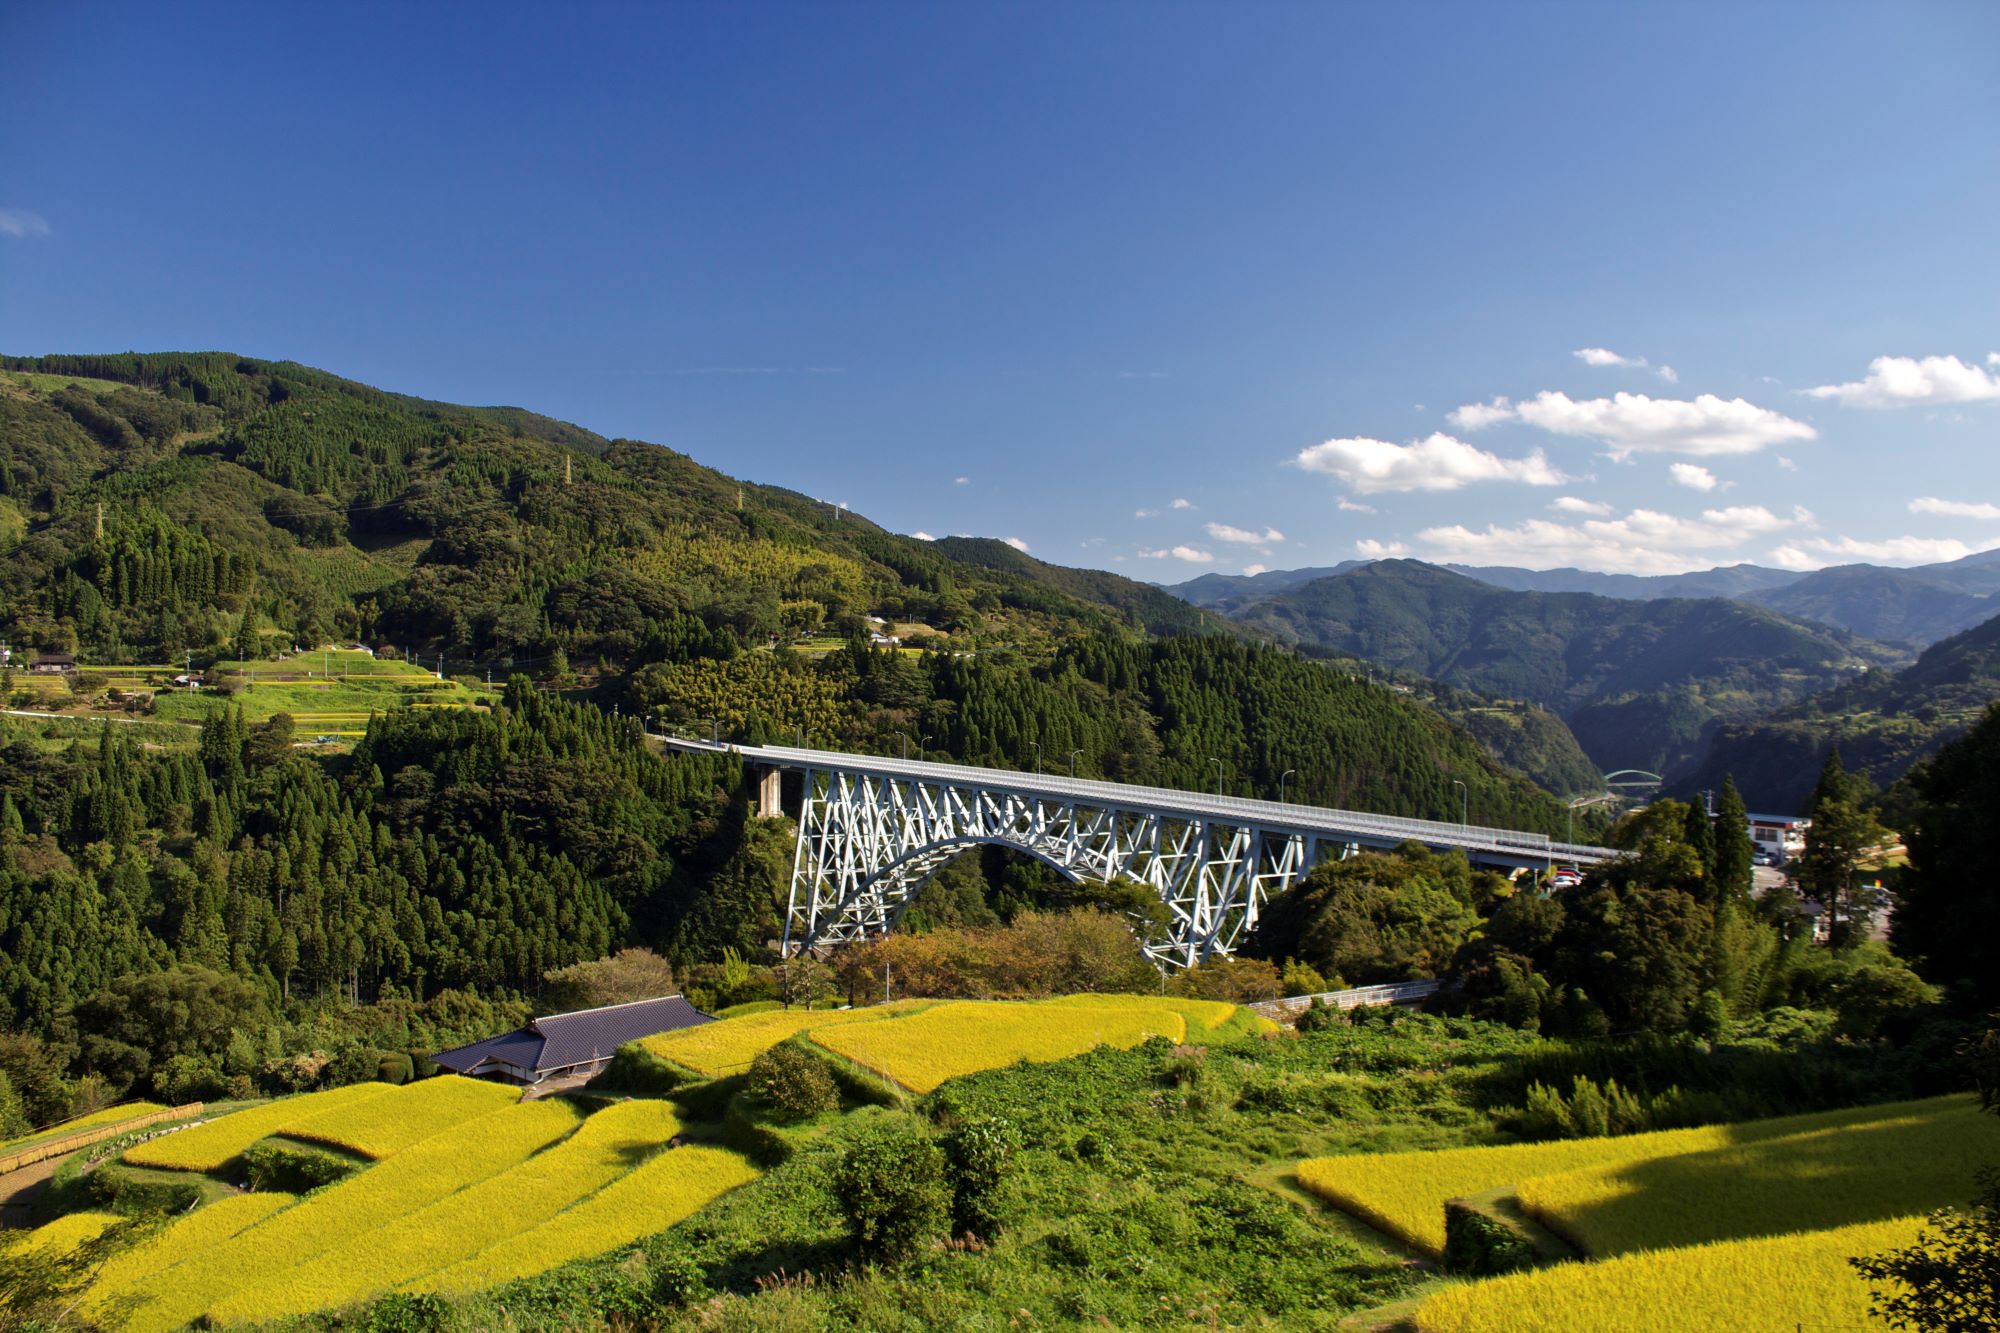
1783 836
53 664
569 1048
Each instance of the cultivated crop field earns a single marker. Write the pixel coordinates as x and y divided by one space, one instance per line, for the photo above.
185 1239
1745 1286
406 1245
922 1050
1403 1194
667 1189
1908 1160
110 1115
213 1143
413 1179
391 1121
718 1050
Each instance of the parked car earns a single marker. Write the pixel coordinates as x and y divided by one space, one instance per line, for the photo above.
1763 859
1567 877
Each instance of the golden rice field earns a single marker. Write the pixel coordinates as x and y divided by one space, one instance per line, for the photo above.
1911 1159
402 1247
420 1175
110 1115
727 1047
1742 1286
1403 1194
65 1233
922 1050
212 1143
192 1235
672 1186
378 1126
1201 1015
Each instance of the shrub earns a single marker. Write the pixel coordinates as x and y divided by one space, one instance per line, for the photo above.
792 1082
981 1154
189 1078
279 1166
1477 1244
892 1186
1323 1015
395 1067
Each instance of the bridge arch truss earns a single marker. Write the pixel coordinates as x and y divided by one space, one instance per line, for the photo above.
868 842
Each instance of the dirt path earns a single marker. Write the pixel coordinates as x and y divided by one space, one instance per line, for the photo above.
19 1189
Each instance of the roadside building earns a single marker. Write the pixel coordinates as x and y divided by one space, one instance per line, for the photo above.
569 1048
1782 836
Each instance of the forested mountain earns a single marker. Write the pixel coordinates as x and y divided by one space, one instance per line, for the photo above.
1892 605
1636 681
1883 723
1906 606
155 505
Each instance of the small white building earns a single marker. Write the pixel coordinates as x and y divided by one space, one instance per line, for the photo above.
1783 836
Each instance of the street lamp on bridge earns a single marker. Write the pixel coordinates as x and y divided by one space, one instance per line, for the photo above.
1288 773
1072 761
1464 803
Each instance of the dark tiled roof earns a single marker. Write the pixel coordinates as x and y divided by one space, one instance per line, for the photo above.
590 1033
561 1040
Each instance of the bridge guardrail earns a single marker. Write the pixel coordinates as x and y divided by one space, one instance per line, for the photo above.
1394 992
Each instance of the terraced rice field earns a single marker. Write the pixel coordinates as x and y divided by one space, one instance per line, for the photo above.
717 1050
378 1126
1201 1015
922 1050
1403 1194
110 1115
462 1156
65 1233
400 1248
185 1239
1743 1286
672 1186
210 1145
1909 1161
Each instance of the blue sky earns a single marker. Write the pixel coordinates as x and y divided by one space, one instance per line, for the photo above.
1040 272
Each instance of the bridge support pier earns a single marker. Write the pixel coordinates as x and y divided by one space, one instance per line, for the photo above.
768 786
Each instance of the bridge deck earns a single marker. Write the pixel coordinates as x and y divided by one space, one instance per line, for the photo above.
1281 817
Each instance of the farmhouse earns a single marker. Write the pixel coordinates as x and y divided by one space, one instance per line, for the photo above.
53 664
571 1046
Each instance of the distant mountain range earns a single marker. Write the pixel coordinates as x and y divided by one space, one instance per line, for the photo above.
1638 682
1916 607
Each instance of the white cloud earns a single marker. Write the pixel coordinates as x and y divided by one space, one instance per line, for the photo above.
923 536
1906 381
1222 532
1787 464
1604 356
1192 555
1145 513
1255 569
1571 504
961 481
1629 423
1693 476
1818 552
21 225
1374 550
1181 504
1348 506
1437 462
1930 504
1644 541
1478 416
1016 543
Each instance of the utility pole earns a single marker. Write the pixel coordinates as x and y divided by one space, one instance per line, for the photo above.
565 469
100 520
440 666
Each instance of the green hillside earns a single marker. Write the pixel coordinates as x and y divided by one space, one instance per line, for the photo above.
243 501
1883 723
1636 681
1892 605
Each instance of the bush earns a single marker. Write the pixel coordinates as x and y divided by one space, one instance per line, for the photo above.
893 1189
189 1078
1478 1244
1321 1016
395 1067
792 1082
294 1170
981 1153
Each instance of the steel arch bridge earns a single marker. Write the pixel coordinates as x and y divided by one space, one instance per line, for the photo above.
873 830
